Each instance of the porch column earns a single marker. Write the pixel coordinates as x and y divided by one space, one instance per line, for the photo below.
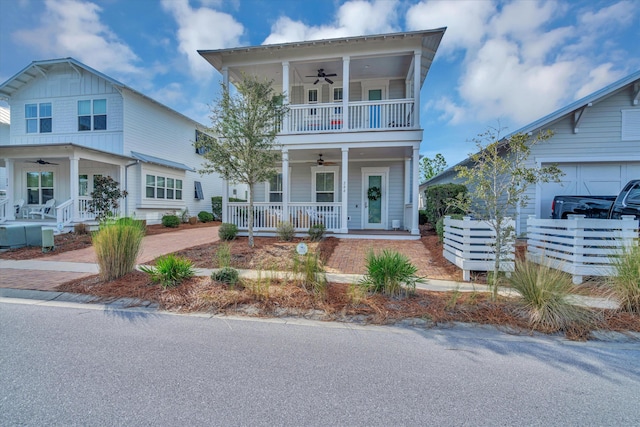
407 182
285 184
225 76
8 165
345 191
74 186
417 61
415 230
285 90
225 200
345 93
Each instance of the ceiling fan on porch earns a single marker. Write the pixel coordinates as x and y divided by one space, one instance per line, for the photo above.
322 162
41 162
322 75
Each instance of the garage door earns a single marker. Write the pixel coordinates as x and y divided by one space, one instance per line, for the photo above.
595 179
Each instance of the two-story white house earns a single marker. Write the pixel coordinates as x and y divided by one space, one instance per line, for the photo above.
71 123
350 143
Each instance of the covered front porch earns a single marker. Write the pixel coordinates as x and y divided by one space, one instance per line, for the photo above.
349 189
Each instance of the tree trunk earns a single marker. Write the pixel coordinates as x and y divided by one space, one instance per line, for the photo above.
250 216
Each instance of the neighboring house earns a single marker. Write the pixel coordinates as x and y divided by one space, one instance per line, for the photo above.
350 143
72 123
596 143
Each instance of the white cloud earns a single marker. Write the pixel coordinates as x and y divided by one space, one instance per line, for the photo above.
353 18
203 29
465 20
621 13
598 78
73 28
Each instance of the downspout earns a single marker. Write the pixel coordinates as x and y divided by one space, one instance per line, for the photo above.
126 186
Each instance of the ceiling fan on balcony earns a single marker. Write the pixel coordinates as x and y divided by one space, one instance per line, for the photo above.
41 162
322 75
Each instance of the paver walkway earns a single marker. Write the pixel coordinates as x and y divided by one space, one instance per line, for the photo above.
34 274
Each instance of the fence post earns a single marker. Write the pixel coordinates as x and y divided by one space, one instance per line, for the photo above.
576 230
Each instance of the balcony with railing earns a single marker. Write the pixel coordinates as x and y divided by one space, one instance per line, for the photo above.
392 114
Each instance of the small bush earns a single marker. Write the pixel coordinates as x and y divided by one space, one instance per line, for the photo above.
316 232
223 254
117 246
285 231
184 215
170 270
438 196
545 293
625 285
227 231
205 216
226 275
81 228
422 217
171 221
440 226
390 273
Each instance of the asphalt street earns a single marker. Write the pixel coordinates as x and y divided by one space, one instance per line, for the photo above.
94 365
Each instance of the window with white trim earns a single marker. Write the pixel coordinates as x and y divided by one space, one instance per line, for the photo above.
312 98
630 125
39 187
92 114
38 117
275 188
337 97
161 187
325 186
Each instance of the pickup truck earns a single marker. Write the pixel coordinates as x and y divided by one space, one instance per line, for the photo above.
612 207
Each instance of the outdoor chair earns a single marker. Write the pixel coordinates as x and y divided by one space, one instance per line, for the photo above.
44 211
18 206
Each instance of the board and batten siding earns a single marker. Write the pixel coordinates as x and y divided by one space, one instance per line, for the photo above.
63 88
157 131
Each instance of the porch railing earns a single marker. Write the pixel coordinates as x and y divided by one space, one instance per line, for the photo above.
363 115
4 210
64 212
267 216
83 209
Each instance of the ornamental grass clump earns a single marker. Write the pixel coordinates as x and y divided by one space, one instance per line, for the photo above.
117 245
390 273
625 284
170 270
228 275
310 274
545 296
285 231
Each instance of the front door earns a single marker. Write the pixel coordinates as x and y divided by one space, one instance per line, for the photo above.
375 200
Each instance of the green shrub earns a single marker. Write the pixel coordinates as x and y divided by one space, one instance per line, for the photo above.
227 231
216 206
316 232
422 217
625 284
140 223
390 273
170 270
117 246
171 221
226 275
310 274
205 216
438 197
544 292
285 231
440 226
223 254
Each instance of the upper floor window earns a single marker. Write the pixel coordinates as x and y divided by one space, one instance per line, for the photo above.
337 97
92 114
38 117
200 136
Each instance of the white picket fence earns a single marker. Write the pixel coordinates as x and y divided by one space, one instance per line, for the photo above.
470 244
580 246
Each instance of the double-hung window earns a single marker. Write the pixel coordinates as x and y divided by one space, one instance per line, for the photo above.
92 114
39 187
325 186
312 98
275 188
337 97
161 187
38 117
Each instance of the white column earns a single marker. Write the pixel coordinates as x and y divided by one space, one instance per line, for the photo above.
225 200
417 61
285 184
285 90
345 93
345 191
225 76
74 186
407 181
415 230
8 167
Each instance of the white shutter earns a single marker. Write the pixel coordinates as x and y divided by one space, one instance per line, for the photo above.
630 125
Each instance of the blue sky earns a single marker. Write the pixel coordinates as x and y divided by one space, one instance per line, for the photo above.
501 63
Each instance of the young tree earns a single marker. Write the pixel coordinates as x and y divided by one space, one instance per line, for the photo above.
497 182
432 167
105 196
244 125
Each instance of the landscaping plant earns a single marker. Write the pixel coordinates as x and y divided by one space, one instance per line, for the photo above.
625 284
223 254
205 216
170 270
390 273
171 221
228 275
227 231
105 197
309 273
117 245
316 232
285 231
545 296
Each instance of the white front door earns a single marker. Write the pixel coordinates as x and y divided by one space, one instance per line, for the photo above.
375 198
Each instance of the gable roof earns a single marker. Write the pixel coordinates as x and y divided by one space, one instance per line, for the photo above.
36 68
596 96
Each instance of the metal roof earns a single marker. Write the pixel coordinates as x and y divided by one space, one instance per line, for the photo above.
162 162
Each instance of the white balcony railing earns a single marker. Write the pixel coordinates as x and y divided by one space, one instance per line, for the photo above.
267 216
364 115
